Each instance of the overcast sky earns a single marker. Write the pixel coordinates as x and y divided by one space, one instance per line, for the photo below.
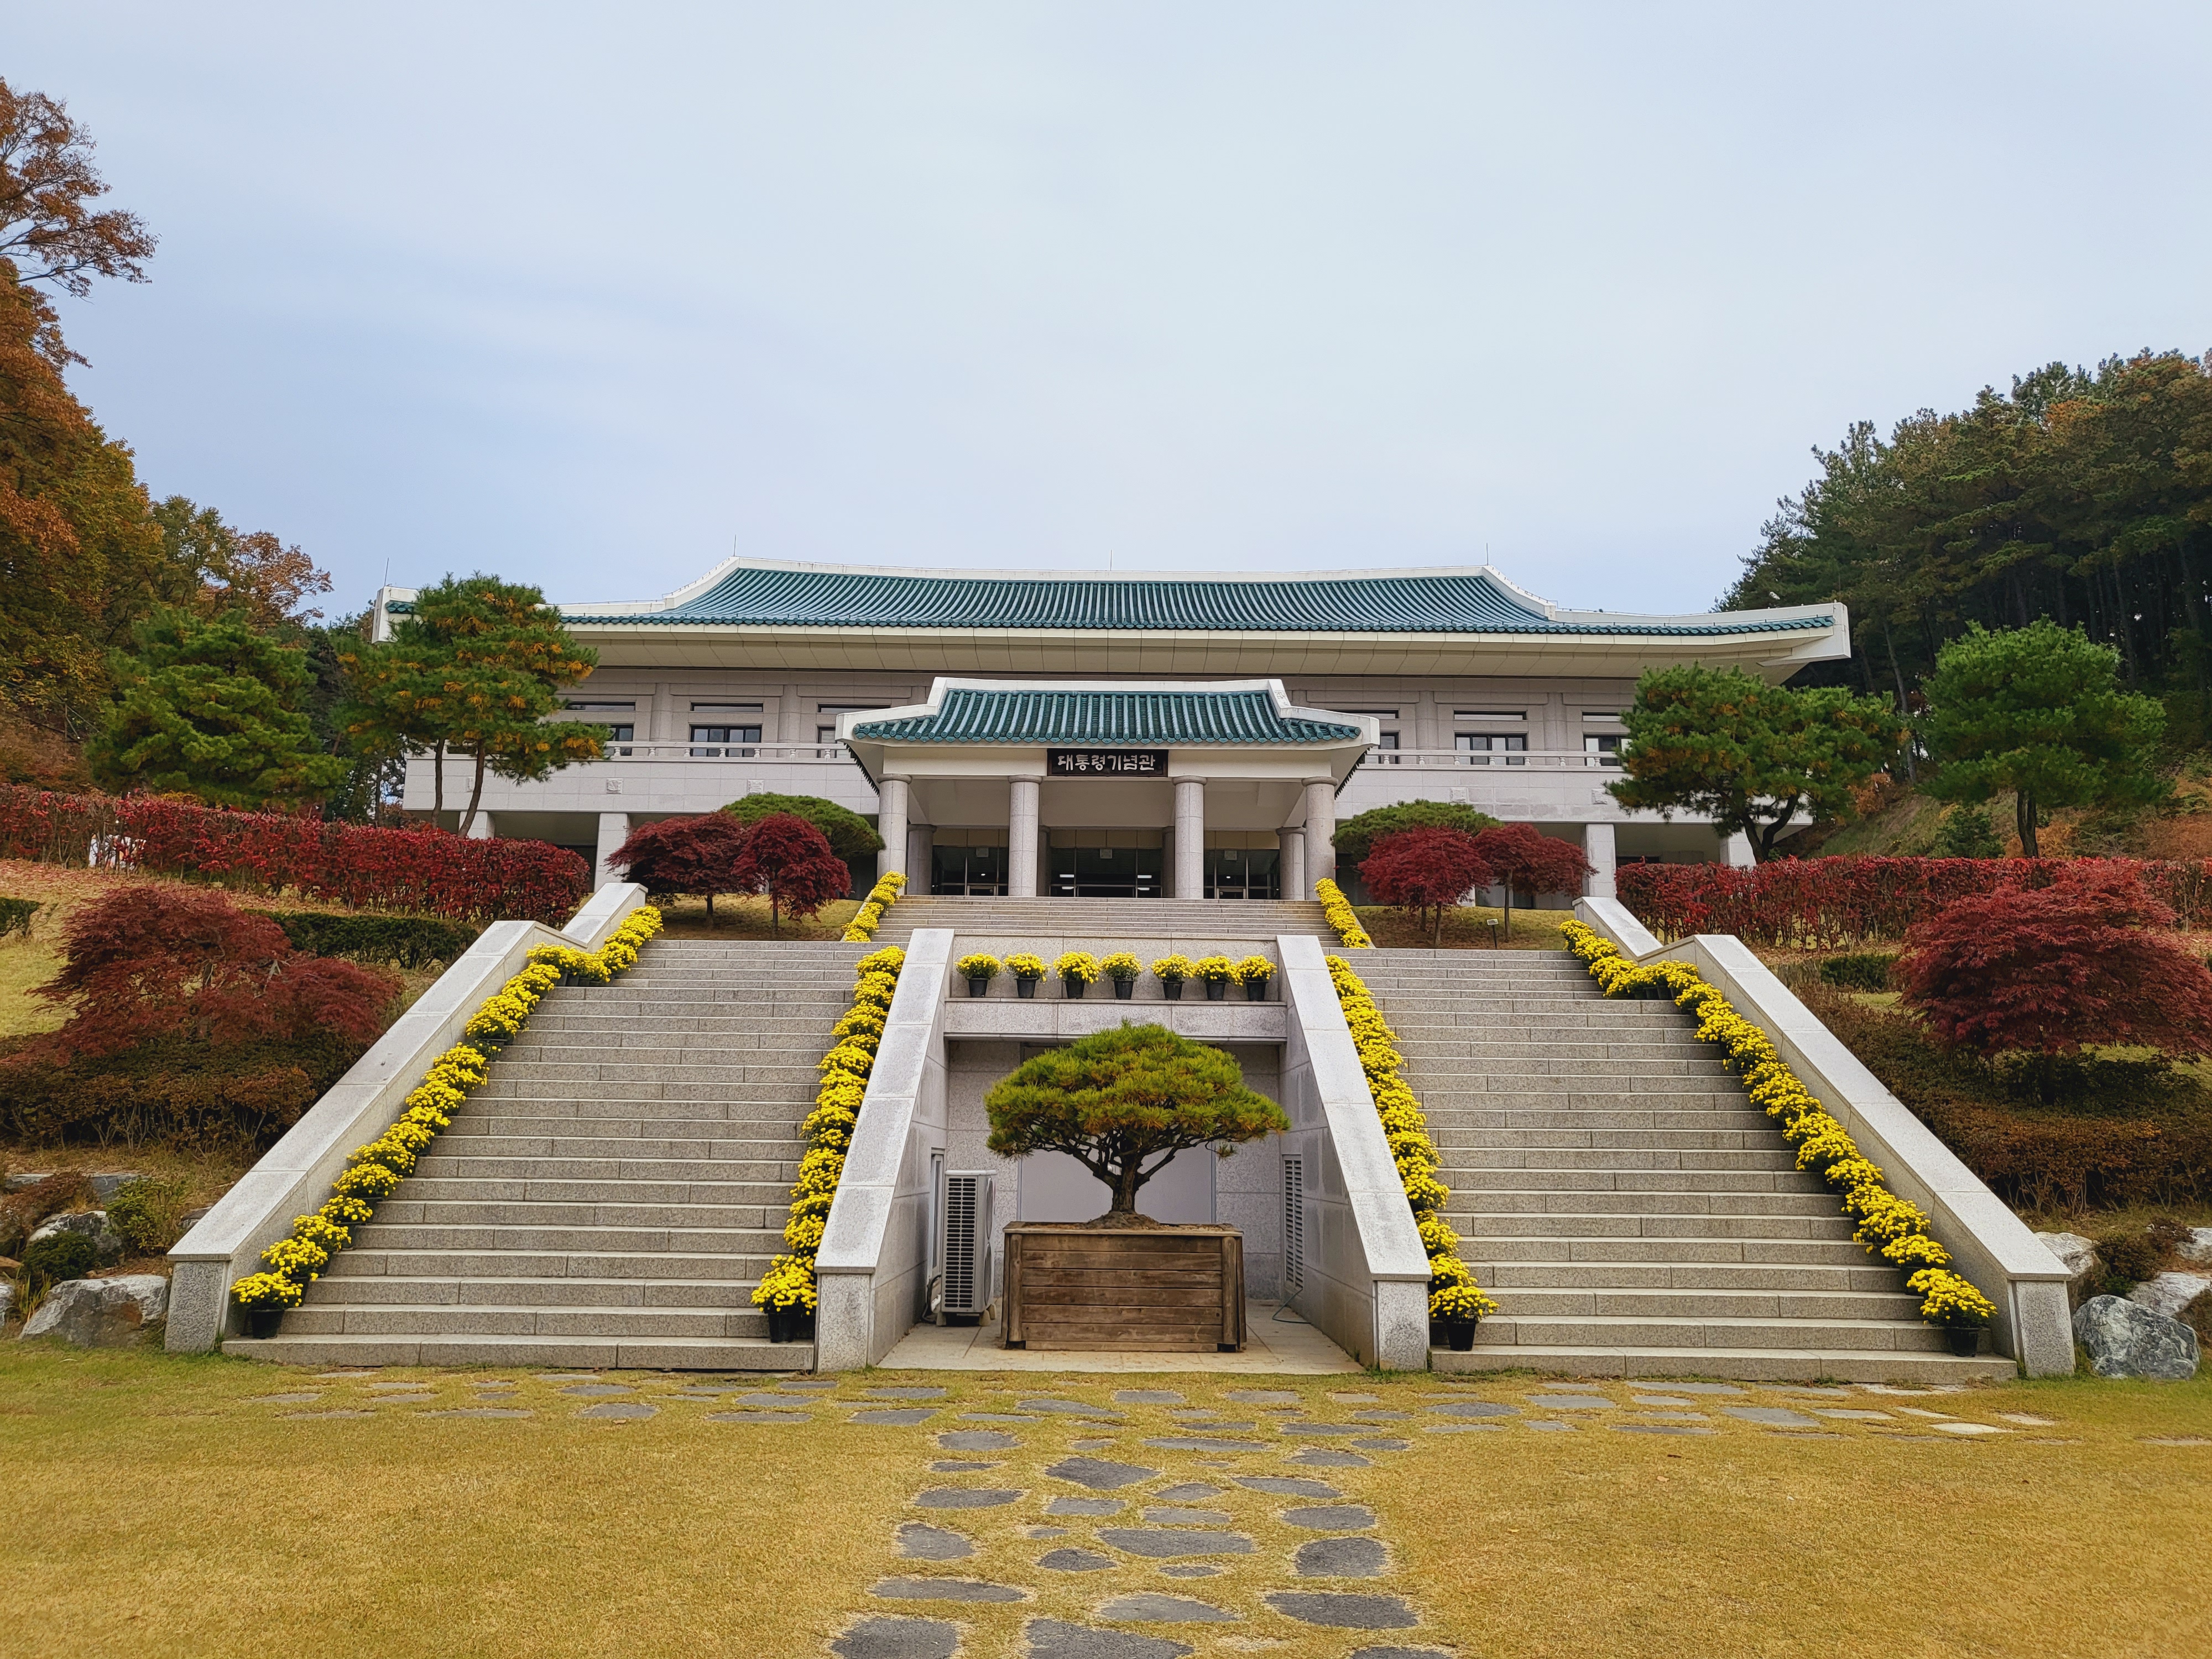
594 296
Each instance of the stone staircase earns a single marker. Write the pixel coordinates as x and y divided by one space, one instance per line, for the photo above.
1105 919
1632 1213
614 1192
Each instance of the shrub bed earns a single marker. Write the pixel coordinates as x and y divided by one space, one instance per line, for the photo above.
1822 903
353 865
411 941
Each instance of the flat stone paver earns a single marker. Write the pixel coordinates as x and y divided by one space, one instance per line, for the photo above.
758 1417
773 1401
1337 1612
1331 1517
1693 1388
997 1417
1664 1400
1100 1475
1084 1506
977 1440
1355 1399
903 1417
919 1541
600 1388
623 1410
1051 1639
965 1498
946 1590
1339 1557
1147 1397
1164 1544
1476 1409
1073 1560
1570 1403
1779 1417
1190 1491
1552 1426
1850 1416
1288 1486
959 1465
898 1638
1068 1408
1171 1515
1150 1608
1346 1429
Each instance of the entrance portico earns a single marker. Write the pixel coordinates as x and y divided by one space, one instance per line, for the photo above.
1186 789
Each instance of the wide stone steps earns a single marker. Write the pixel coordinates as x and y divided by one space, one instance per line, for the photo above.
613 1192
1627 1207
1225 920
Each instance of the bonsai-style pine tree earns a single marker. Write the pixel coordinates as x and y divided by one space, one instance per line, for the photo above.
851 837
1122 1103
1426 871
789 860
210 708
1356 836
683 855
2038 710
1747 755
1529 861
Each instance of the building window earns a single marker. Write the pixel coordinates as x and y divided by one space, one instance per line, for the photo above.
1506 747
1601 751
1386 746
619 718
719 737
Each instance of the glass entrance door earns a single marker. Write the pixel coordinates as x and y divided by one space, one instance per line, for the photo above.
967 871
1243 873
1106 872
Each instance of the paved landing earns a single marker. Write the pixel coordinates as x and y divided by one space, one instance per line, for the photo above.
1287 1347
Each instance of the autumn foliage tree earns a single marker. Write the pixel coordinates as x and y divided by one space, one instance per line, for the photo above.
2048 971
1426 871
1528 861
151 962
696 855
788 860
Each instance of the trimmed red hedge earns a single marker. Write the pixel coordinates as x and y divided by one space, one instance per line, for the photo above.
426 872
1814 903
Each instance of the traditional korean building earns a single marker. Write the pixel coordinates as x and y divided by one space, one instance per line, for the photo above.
1123 735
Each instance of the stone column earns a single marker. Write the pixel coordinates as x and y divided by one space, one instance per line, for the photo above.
614 830
1190 838
890 825
920 838
482 829
1597 847
1293 872
1321 835
1022 838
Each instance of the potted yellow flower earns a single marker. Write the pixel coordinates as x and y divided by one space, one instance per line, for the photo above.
1459 1308
1253 973
263 1298
979 970
1122 968
1077 970
1027 970
1217 972
1171 971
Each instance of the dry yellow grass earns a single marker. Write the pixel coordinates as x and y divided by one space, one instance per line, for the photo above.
162 1512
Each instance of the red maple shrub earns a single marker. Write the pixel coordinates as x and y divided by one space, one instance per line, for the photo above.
790 861
149 963
2047 970
1528 861
697 855
1426 872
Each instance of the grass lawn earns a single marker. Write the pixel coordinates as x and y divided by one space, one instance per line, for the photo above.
168 1506
746 916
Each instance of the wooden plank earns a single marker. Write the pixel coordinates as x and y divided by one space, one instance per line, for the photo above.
1074 1288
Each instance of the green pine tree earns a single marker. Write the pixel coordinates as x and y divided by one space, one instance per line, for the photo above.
210 708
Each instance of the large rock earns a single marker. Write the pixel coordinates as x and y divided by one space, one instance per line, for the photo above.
2169 1293
106 1243
2125 1338
2078 1255
2199 1248
102 1313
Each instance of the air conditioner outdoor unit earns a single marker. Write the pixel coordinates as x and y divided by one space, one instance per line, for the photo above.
964 1245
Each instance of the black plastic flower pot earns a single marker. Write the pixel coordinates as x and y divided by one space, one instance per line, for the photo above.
1255 990
976 987
1174 988
1460 1333
1074 987
1216 990
790 1325
1965 1340
261 1323
1025 987
1125 988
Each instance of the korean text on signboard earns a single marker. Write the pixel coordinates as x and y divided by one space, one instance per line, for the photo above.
1106 762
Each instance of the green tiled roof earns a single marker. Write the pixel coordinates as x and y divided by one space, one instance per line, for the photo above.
1446 602
1129 717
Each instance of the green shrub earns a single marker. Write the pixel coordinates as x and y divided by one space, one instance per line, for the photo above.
2129 1259
411 941
1861 970
64 1256
147 1213
15 916
1968 833
851 837
174 1093
1356 835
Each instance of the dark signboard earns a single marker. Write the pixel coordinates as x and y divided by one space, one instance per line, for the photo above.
1106 762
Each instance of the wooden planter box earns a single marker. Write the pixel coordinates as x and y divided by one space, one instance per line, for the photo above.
1073 1284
